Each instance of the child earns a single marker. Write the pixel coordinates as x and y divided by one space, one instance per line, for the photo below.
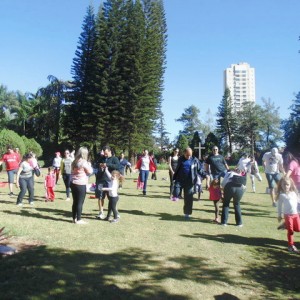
113 197
215 195
252 169
288 197
49 185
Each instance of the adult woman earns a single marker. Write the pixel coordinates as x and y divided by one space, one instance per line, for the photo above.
173 162
292 167
234 188
145 164
80 168
65 168
25 180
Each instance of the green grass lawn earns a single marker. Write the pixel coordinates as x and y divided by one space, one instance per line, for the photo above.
152 253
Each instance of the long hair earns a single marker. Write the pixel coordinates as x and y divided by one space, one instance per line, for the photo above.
288 156
281 182
82 153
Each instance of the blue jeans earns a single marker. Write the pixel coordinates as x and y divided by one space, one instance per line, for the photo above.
144 177
11 175
272 179
26 183
232 191
218 175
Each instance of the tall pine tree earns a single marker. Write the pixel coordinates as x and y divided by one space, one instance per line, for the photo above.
226 122
79 121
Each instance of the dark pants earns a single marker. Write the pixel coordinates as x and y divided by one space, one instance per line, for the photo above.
112 206
78 193
26 183
144 177
67 181
188 192
171 183
232 191
153 176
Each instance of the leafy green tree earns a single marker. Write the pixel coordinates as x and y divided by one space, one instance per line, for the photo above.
248 128
226 121
7 101
291 126
182 143
162 139
270 132
53 97
209 123
23 109
210 141
191 121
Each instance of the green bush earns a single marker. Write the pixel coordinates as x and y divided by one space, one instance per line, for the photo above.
9 137
32 145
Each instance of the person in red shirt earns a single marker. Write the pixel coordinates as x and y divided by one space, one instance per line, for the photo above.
11 160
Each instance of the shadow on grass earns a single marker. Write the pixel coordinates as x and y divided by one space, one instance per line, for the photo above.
43 273
274 267
32 212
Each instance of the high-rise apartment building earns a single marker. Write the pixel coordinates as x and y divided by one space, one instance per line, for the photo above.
240 79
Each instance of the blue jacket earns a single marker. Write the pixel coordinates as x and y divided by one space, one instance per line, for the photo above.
197 170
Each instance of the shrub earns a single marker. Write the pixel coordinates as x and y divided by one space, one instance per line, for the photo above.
9 137
32 145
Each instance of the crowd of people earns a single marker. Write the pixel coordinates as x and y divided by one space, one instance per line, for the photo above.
186 174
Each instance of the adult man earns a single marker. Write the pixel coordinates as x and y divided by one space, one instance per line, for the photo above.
273 165
102 180
11 160
188 173
216 165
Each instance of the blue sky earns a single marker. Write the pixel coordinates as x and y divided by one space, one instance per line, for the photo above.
39 38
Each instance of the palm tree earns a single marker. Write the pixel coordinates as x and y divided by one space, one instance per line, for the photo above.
52 99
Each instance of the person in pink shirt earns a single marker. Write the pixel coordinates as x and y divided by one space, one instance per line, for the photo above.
80 169
12 161
292 167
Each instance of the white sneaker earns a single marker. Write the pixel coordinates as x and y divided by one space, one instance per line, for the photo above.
101 216
20 204
81 222
68 199
293 248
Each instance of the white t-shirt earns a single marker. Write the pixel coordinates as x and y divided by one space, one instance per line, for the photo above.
56 162
289 202
273 163
242 164
145 163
